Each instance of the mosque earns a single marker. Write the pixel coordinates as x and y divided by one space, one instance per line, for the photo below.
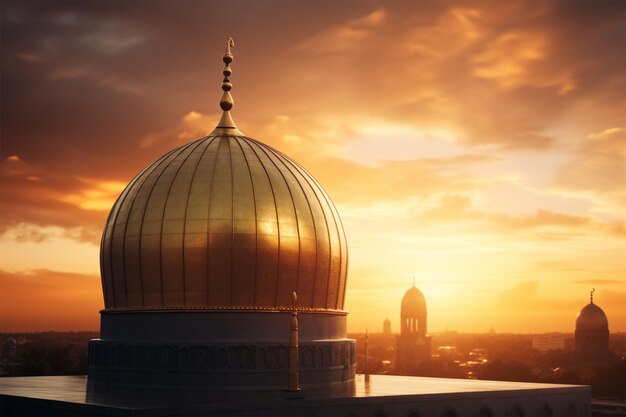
224 267
592 334
204 253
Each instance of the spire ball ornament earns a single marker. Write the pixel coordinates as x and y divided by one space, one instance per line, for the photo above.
227 102
226 125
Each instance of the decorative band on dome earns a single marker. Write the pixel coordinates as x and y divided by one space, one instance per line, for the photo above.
228 309
224 221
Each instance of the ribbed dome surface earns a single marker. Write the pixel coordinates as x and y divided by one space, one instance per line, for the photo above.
413 302
591 317
224 222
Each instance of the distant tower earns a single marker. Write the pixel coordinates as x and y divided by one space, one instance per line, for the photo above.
413 345
366 371
387 327
592 334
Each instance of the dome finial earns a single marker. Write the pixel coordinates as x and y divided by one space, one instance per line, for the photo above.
591 295
366 370
226 125
413 281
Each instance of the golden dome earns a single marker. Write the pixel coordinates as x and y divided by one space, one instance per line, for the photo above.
227 223
223 222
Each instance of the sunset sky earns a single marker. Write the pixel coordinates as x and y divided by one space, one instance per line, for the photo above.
479 147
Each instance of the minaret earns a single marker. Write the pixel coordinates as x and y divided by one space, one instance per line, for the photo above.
366 370
413 345
226 125
592 334
294 372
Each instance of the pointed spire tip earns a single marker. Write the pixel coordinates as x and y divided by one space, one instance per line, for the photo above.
226 125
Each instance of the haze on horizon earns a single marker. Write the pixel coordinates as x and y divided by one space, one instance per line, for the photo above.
479 147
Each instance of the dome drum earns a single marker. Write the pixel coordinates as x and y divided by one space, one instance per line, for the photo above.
210 371
151 351
204 327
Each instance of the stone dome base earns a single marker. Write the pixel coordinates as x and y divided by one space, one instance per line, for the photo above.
217 352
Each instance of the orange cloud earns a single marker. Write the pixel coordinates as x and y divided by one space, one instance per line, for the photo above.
29 56
507 58
44 300
526 297
455 30
98 195
349 35
599 163
33 196
193 125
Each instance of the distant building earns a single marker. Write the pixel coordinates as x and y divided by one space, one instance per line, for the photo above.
8 364
413 345
549 341
592 334
9 349
387 327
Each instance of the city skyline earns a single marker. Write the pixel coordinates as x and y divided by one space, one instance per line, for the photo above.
474 147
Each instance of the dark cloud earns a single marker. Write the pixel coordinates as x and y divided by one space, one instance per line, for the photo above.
542 224
85 85
39 198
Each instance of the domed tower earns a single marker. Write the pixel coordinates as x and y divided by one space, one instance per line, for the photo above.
200 256
413 345
592 333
